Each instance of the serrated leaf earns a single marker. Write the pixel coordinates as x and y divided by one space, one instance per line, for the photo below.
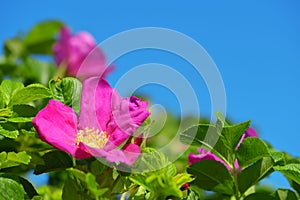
67 91
182 178
212 175
251 150
30 93
10 189
12 159
41 37
8 88
291 171
285 194
254 173
157 175
206 136
232 134
9 133
192 196
54 160
152 160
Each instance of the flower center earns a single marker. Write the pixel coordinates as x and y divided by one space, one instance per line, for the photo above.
91 137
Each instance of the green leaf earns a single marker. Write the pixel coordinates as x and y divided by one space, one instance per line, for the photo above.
67 91
41 37
232 134
11 190
39 71
8 88
20 119
30 93
278 157
25 110
212 175
158 175
260 196
97 167
27 186
70 191
206 136
192 195
285 194
254 173
182 178
222 119
89 182
251 150
291 171
12 159
152 160
54 160
8 130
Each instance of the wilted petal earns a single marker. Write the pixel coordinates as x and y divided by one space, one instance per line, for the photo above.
56 124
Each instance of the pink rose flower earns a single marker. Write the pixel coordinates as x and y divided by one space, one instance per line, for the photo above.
203 154
80 54
105 122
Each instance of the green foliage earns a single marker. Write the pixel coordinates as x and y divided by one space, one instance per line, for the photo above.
251 150
54 160
212 175
31 80
90 189
10 189
41 37
67 91
30 93
292 171
159 177
254 173
11 159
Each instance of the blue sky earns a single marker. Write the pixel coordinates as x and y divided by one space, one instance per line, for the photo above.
255 45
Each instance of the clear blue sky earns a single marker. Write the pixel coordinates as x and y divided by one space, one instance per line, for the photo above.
255 44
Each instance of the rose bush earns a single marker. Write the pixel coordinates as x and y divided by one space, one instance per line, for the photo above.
90 143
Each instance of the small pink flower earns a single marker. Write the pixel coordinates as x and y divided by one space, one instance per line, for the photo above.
207 155
80 54
105 122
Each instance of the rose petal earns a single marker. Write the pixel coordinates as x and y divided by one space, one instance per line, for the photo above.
127 156
95 109
56 124
132 152
203 154
250 132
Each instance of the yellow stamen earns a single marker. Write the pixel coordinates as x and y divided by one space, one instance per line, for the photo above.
91 137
